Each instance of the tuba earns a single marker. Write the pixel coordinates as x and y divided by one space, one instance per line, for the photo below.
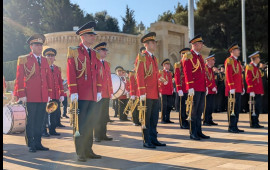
51 106
74 118
251 103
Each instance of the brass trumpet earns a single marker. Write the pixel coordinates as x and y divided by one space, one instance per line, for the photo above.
74 119
189 104
128 106
51 106
251 103
231 105
142 111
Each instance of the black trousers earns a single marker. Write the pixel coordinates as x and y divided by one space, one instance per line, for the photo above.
54 116
121 107
135 115
100 129
151 120
88 116
234 119
177 103
34 120
258 109
196 113
167 104
58 114
221 100
115 106
210 99
182 112
65 103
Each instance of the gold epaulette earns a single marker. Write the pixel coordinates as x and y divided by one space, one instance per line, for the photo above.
157 60
59 68
141 57
131 73
188 56
97 55
22 59
229 60
160 71
177 65
72 51
249 67
109 64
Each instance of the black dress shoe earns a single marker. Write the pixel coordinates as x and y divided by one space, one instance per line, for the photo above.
32 149
203 136
257 126
169 121
92 155
184 127
42 148
61 125
239 130
107 138
206 124
233 131
163 122
260 126
55 134
66 116
81 159
45 134
157 143
97 140
213 123
194 137
110 120
136 124
147 145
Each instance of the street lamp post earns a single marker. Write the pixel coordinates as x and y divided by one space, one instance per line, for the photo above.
243 32
190 19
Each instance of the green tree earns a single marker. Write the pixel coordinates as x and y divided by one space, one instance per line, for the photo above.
129 26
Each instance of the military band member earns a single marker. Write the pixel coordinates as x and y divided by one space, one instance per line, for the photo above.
166 91
194 70
264 74
234 84
100 130
34 87
122 100
57 92
212 91
147 79
221 98
65 102
84 81
255 87
180 83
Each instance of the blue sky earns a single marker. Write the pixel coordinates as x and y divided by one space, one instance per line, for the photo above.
146 11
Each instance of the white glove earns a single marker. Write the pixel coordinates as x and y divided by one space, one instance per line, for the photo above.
191 92
243 92
112 96
252 94
206 93
143 97
180 93
74 96
61 98
165 83
262 94
99 97
23 99
128 95
132 97
214 89
232 91
49 99
160 95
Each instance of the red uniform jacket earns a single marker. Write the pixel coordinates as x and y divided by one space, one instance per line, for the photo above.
147 76
57 85
165 89
210 79
133 85
83 74
107 89
33 81
253 79
194 70
126 87
179 77
233 74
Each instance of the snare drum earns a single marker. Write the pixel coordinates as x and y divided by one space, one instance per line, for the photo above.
14 119
118 86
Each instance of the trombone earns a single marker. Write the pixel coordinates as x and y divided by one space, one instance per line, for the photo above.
231 105
74 118
189 103
251 103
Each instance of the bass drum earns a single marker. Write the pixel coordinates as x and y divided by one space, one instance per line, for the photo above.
14 119
118 86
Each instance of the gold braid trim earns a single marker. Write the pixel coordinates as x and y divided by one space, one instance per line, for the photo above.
29 72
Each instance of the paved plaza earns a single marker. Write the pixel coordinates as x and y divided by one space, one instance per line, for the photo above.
244 151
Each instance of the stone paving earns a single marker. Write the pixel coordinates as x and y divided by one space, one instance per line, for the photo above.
224 151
